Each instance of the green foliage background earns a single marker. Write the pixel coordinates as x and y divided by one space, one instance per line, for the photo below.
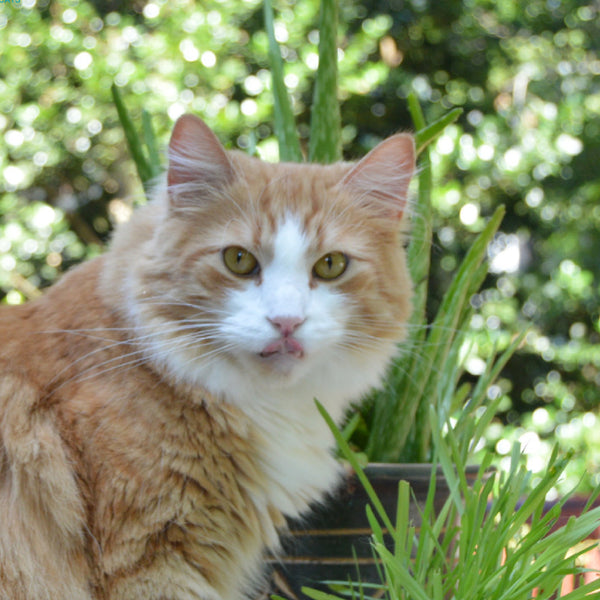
526 74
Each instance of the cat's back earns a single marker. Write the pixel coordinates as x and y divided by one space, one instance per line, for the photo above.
73 301
43 341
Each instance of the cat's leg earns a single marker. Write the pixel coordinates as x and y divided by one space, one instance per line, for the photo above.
41 512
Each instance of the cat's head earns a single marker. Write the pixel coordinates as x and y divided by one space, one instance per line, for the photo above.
281 272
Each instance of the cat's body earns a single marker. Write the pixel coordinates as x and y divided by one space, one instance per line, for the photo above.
156 405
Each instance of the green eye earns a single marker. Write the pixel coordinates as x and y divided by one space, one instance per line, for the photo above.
239 261
330 266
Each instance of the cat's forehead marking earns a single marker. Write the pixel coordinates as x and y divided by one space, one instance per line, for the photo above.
290 241
285 279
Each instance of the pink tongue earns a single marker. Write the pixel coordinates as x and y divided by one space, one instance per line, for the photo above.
284 345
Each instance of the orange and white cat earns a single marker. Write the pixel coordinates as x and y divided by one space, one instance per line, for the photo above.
157 420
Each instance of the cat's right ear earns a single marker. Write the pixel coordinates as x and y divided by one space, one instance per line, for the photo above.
197 161
382 177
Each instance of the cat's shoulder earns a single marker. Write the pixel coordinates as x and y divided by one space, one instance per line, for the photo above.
35 335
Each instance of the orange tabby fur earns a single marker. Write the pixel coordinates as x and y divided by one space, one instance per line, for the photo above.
104 492
119 478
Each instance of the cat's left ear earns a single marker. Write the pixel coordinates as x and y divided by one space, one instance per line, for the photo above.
382 177
197 160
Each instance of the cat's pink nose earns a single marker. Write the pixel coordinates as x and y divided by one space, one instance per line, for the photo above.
287 325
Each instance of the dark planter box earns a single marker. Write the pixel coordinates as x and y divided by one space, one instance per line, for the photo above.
336 538
330 543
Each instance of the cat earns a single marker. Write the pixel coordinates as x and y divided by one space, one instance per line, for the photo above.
157 416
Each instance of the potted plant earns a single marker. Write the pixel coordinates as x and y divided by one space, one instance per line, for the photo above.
493 537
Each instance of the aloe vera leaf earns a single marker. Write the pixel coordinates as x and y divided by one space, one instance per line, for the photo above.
419 249
450 319
419 385
284 122
393 409
325 122
458 293
447 325
133 141
151 145
416 113
428 134
419 254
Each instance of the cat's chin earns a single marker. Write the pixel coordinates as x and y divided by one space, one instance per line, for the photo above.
283 367
283 364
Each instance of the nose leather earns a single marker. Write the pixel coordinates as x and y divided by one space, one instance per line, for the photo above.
286 325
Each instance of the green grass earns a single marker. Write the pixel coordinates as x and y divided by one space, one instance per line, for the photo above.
143 148
493 539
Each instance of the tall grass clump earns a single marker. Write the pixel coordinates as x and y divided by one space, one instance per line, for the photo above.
495 538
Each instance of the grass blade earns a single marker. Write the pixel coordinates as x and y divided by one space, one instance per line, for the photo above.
402 517
427 134
318 594
151 145
136 149
325 122
351 458
284 122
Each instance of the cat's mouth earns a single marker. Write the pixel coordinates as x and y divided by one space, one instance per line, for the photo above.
288 346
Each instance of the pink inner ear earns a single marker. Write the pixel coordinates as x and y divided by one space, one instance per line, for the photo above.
195 154
382 177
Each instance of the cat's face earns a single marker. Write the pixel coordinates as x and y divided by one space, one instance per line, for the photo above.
290 310
279 270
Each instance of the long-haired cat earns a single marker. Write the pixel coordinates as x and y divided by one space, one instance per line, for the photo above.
157 420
